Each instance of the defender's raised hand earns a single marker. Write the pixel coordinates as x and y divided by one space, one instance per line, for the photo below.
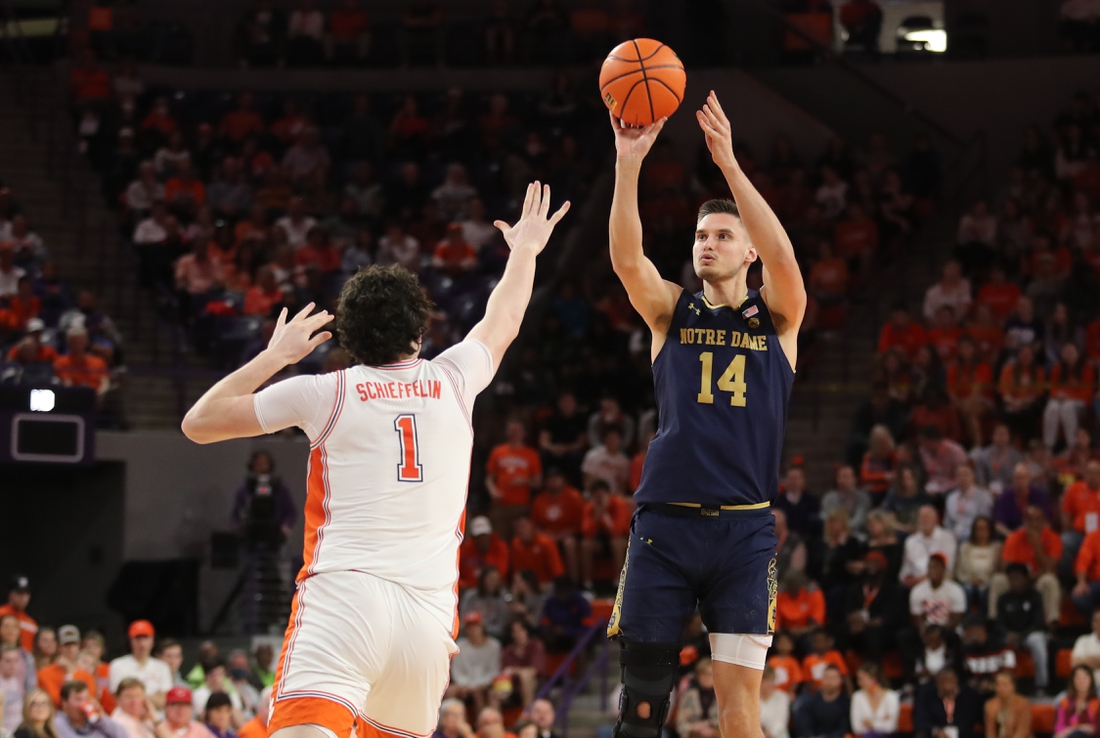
716 128
533 229
293 340
634 142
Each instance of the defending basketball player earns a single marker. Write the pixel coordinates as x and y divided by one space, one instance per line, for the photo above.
372 625
723 366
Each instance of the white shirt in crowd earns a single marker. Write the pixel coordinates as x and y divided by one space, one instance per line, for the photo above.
475 666
202 694
149 231
154 674
478 232
956 297
134 728
918 547
12 689
1085 647
296 233
883 720
611 468
9 281
775 714
973 229
937 604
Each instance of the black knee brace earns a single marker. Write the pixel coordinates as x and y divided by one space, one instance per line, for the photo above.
649 674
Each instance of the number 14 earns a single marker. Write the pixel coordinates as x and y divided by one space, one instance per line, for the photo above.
732 380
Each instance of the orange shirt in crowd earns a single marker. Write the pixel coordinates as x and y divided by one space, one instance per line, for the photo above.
540 556
988 337
908 340
788 672
1001 298
829 276
637 464
962 381
945 340
800 610
347 25
15 316
1017 548
856 237
1072 388
813 666
1082 504
512 469
239 123
46 354
615 522
1088 558
1029 384
558 515
253 729
52 676
90 84
88 371
28 626
471 561
1092 340
258 302
176 187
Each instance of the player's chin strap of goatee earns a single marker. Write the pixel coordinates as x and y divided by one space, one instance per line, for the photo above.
649 673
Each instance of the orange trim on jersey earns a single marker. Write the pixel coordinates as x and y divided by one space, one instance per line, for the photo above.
375 728
315 509
313 710
288 643
458 559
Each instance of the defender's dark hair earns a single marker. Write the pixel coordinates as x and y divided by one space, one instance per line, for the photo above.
729 207
382 314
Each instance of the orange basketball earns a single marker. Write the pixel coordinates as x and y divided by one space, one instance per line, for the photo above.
642 81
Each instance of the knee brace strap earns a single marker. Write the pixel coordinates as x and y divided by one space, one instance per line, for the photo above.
649 674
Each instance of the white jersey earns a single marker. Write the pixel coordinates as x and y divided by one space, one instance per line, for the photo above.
389 463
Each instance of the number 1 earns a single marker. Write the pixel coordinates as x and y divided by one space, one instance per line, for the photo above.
409 470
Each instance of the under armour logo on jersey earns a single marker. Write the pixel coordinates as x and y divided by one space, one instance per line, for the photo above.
691 306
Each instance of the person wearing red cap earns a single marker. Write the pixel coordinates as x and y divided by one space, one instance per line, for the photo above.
476 664
140 665
178 712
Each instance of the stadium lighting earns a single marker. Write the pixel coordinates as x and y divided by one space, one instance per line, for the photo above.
934 40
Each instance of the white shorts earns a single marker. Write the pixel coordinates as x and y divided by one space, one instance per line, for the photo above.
363 655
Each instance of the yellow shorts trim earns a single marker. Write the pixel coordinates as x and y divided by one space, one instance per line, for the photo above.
756 506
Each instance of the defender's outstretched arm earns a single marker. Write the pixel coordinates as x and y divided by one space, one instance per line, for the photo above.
508 302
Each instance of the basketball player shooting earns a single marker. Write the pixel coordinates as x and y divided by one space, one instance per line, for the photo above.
372 626
723 364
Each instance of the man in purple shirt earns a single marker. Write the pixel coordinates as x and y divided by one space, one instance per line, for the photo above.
1008 511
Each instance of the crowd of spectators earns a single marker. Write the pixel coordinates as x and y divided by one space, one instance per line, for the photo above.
48 334
57 683
343 33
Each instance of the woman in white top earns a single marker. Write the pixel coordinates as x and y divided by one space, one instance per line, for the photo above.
775 707
978 560
875 709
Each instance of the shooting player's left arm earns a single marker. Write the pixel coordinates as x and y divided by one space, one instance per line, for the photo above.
784 291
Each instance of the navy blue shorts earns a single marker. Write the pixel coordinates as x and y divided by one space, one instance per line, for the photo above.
724 566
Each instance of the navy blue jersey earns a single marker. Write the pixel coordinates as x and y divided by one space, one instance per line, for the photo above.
722 383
